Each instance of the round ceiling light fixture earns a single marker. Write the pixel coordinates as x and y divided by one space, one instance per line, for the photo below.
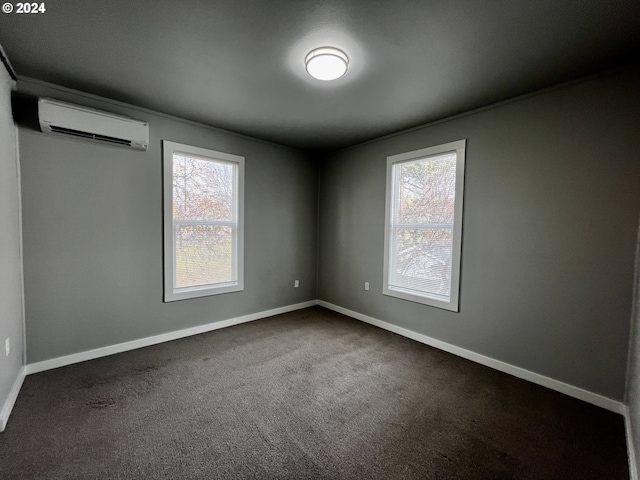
326 63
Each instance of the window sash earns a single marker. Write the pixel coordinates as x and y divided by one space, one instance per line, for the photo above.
393 285
234 255
172 225
395 279
233 224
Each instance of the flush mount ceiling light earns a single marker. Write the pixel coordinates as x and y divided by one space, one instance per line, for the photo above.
326 63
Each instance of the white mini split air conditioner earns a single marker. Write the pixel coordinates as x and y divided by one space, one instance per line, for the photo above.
73 120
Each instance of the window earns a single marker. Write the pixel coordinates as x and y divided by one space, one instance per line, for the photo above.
423 228
203 222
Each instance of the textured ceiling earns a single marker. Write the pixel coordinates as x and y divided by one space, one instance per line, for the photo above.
238 64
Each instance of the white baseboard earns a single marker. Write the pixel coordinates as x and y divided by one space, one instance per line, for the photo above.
631 451
573 391
165 337
11 399
576 392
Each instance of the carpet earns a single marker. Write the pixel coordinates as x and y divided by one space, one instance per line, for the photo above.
310 394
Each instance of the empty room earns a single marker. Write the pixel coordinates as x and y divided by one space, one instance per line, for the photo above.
320 239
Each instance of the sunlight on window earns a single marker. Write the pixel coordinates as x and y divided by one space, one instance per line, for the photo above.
423 229
203 221
424 200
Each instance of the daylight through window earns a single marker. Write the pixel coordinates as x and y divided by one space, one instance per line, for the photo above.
424 225
203 221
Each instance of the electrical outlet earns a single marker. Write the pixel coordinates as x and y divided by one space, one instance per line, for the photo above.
296 283
366 285
7 346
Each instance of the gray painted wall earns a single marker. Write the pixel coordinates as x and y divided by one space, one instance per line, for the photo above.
550 219
11 315
92 217
633 373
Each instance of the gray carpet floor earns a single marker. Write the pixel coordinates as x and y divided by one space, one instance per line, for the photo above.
306 395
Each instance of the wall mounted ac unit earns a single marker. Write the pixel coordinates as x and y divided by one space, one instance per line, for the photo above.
82 122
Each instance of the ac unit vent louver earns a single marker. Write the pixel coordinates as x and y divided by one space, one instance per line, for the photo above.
92 136
73 120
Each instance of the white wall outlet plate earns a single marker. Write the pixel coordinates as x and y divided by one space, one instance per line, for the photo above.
296 283
366 285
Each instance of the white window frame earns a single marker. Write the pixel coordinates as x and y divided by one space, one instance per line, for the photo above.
428 299
171 293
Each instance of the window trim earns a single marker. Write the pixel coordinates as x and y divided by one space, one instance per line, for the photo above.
428 299
171 294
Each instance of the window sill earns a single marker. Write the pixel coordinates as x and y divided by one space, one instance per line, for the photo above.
203 291
437 301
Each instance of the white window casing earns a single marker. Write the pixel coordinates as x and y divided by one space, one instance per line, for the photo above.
203 208
423 225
